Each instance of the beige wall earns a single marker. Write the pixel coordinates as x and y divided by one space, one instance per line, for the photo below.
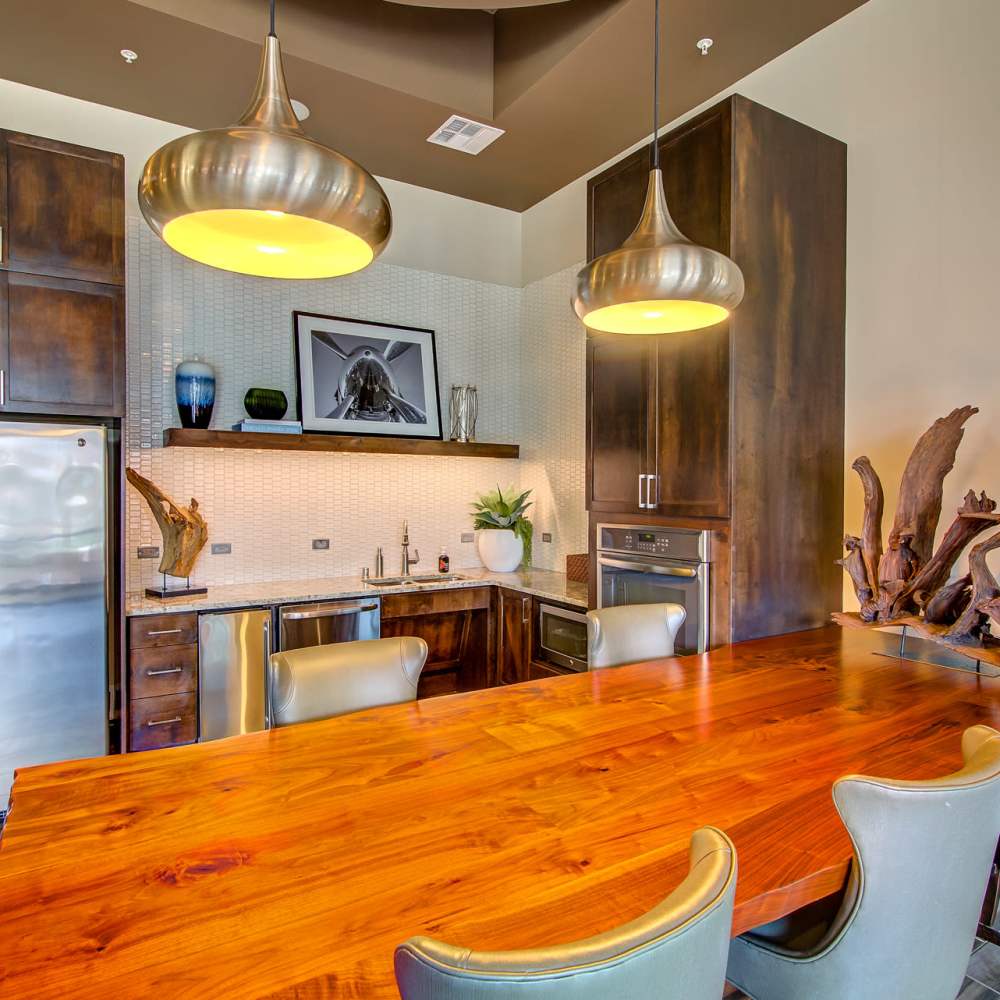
432 231
912 87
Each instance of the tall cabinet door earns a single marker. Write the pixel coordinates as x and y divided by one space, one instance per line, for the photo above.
691 424
62 209
619 374
690 416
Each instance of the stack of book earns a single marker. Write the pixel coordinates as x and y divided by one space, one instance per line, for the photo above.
269 426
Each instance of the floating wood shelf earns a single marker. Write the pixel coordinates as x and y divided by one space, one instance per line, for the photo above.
180 437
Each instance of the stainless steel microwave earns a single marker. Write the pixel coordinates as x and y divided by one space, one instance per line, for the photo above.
562 638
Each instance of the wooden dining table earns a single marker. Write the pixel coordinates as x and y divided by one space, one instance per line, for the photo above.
290 863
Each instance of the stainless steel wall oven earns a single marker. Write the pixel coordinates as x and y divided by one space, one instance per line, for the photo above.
647 564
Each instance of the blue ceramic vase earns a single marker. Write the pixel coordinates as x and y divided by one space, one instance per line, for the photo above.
194 383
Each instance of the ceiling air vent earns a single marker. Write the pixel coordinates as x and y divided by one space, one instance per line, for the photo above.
465 135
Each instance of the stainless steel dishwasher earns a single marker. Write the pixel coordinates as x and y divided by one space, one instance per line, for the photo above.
327 622
233 652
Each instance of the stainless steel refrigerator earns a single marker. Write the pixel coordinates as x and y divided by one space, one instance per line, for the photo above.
54 594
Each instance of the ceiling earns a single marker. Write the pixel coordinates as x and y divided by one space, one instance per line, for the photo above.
569 81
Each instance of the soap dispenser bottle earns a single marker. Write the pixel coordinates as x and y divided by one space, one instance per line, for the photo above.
444 562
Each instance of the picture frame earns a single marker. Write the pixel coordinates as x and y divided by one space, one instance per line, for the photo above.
362 378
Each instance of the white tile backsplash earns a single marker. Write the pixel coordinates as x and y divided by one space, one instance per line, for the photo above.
522 348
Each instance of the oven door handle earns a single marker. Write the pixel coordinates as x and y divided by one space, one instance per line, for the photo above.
644 567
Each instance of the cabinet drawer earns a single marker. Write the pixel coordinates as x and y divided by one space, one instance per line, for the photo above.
159 670
433 602
166 721
162 630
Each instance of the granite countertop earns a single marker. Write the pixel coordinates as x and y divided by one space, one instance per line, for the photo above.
538 582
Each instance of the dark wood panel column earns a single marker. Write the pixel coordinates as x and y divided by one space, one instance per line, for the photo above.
743 422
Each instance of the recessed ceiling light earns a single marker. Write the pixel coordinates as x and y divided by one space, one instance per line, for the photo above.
301 111
704 44
129 56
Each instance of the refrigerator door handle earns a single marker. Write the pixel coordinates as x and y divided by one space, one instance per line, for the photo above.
267 673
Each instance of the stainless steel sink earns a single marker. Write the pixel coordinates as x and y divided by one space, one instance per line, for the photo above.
409 581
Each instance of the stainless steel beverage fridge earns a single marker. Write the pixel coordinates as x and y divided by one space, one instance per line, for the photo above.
55 594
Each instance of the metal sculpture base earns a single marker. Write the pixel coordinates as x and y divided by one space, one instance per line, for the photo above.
175 590
917 649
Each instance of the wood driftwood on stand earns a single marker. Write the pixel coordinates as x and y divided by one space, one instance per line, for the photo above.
906 581
183 529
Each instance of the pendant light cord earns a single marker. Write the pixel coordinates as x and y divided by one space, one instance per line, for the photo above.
271 32
656 83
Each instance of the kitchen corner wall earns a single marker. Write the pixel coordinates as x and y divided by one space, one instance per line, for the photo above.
522 348
553 416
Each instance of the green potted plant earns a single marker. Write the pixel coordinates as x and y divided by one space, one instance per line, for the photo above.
503 533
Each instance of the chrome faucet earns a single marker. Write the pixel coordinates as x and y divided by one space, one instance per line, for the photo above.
407 561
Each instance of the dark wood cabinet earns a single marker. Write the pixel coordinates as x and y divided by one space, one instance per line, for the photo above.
62 210
740 427
658 407
689 414
62 272
618 383
63 345
456 625
514 620
162 679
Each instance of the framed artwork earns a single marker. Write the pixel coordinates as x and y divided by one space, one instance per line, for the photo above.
356 377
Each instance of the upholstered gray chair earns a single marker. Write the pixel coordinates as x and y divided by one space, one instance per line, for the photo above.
907 921
632 633
322 681
676 951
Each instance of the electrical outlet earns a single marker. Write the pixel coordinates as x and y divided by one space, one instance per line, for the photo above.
321 544
546 536
468 536
221 548
148 552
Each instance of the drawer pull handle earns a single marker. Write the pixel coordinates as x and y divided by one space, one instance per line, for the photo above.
166 631
163 722
160 673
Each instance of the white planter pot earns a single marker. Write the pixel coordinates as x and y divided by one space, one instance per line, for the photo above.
500 551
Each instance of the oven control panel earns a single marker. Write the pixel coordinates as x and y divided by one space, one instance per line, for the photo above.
646 540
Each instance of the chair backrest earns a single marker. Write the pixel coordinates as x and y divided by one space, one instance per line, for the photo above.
631 633
924 850
322 681
676 951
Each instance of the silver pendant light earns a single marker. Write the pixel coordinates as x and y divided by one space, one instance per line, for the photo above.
263 198
657 281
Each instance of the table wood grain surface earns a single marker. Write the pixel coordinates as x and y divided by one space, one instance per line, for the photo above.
290 863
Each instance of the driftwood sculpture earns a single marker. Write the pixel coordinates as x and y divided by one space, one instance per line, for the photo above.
906 582
183 529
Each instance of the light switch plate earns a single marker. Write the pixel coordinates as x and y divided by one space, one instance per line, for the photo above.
546 536
148 552
221 548
468 536
321 544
